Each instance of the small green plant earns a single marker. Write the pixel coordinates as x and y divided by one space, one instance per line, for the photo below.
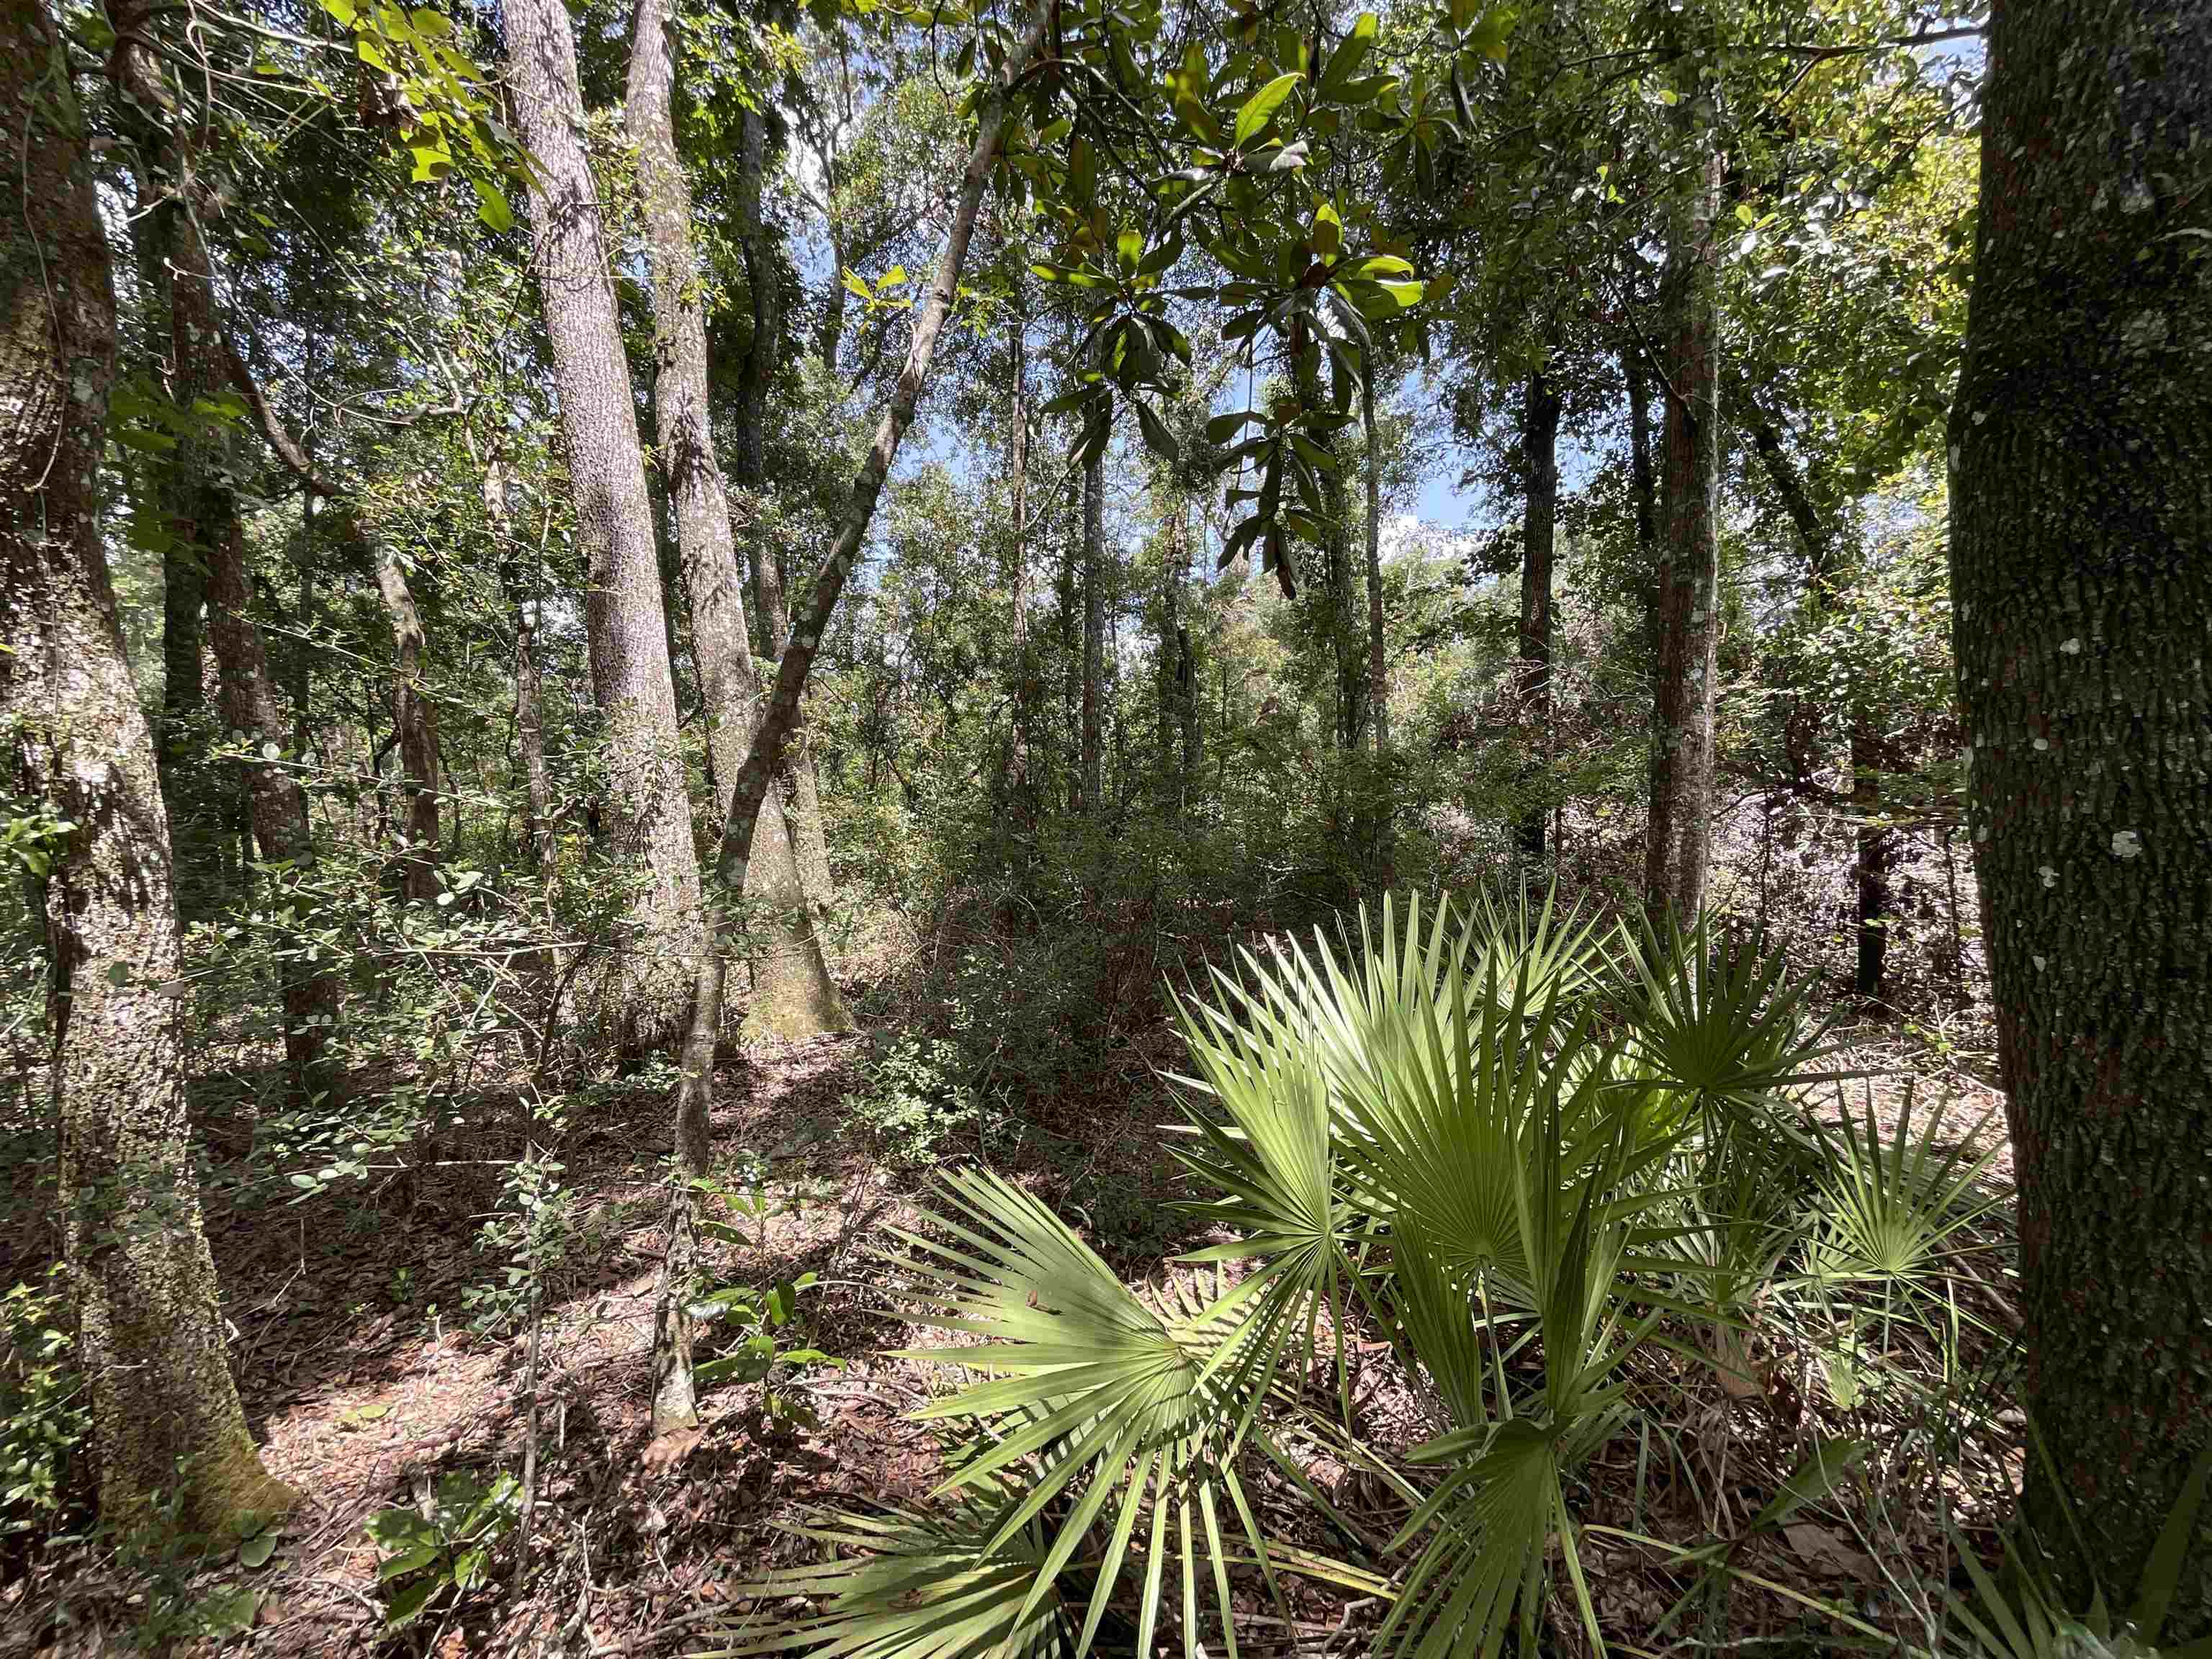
757 1320
915 1101
447 1552
532 1229
43 1414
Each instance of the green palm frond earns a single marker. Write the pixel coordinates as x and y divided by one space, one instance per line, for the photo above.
905 1584
1107 1412
1891 1206
1727 1028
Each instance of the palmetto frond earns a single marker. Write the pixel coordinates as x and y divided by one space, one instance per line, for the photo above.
1891 1205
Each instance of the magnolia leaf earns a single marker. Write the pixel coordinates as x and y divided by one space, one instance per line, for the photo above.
1260 108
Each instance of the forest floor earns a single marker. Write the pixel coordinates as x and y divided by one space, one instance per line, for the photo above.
364 1382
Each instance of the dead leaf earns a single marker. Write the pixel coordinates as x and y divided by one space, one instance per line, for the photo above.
1824 1550
666 1452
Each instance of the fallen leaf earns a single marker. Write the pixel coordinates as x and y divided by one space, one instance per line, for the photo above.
1824 1550
666 1451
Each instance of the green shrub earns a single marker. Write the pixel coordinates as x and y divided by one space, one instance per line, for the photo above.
916 1099
45 1417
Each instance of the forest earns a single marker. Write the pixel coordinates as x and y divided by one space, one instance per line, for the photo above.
1032 828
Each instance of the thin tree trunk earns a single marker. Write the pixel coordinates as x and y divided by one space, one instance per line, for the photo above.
1875 843
1094 633
2081 447
415 718
755 778
800 791
165 1415
794 996
522 594
1378 659
641 1003
1017 473
1678 844
1539 439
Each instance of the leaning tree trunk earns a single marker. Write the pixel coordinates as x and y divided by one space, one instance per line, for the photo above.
1677 843
642 1001
2081 447
166 1414
794 996
1539 442
755 778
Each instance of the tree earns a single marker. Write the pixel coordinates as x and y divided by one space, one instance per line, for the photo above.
793 995
643 997
1539 442
1094 632
1678 842
201 363
150 1329
2081 445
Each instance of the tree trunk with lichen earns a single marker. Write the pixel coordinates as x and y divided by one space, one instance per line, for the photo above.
1093 755
640 1002
166 1414
794 996
2080 449
1678 839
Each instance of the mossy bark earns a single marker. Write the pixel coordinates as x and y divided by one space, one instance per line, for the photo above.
2080 449
150 1332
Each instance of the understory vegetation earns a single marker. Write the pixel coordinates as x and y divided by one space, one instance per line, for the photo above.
984 831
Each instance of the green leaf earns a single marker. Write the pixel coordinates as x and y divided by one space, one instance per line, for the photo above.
407 1606
492 207
1158 438
1344 63
256 1551
1260 108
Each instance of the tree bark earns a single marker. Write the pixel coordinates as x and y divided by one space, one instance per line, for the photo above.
166 1414
2081 448
415 718
641 1001
1094 633
201 361
1023 671
794 996
1677 843
1539 442
800 790
755 778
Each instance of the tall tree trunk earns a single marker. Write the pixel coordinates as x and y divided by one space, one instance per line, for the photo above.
2081 447
166 502
1677 843
166 1414
794 996
1873 854
642 1000
1540 441
1094 633
200 361
800 790
522 596
415 718
1378 658
781 713
1642 492
1023 670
